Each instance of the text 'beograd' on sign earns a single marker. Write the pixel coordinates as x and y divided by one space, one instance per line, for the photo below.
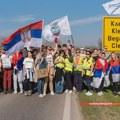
111 33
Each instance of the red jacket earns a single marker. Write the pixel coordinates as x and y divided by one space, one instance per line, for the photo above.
15 58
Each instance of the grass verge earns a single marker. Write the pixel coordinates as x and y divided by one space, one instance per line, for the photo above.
100 112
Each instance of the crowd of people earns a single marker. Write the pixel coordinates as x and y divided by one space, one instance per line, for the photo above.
65 68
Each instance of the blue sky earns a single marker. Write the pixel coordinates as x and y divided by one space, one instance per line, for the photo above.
85 16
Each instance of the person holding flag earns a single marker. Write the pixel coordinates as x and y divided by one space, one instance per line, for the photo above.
16 78
51 71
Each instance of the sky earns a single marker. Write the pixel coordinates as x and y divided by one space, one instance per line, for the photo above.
85 17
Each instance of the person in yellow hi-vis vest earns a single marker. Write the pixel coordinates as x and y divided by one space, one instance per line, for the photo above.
59 74
68 71
88 65
78 71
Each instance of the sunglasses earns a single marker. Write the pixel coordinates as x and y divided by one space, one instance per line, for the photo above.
88 54
77 52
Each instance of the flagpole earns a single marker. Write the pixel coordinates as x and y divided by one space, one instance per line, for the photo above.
72 39
42 36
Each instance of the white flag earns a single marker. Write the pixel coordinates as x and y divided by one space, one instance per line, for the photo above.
113 7
57 28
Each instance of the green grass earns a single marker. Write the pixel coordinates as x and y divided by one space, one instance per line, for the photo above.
100 112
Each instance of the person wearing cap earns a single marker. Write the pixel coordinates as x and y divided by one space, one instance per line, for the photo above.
88 65
82 54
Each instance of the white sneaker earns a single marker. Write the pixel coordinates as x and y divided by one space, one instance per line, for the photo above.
99 93
44 93
70 91
66 91
89 93
15 92
21 91
52 93
74 89
41 96
26 93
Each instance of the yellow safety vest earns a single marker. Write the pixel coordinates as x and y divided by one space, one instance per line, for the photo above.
60 65
68 65
87 66
78 67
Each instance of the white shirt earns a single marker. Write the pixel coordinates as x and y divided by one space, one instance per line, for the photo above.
6 61
102 62
28 62
49 59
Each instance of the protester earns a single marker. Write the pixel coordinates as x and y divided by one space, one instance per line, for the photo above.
82 53
101 67
115 70
51 70
40 63
88 65
78 71
95 54
28 73
16 73
7 69
68 71
59 75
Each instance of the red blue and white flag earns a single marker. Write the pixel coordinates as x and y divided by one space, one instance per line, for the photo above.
27 36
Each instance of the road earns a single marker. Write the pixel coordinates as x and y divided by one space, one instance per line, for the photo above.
58 107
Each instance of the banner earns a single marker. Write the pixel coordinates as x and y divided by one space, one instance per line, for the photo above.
57 28
112 7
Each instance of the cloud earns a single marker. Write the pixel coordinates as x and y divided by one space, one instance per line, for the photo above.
84 21
22 19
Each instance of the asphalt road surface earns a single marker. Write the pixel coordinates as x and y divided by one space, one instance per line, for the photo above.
58 107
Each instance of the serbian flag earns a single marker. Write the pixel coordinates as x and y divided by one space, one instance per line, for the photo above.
27 36
115 68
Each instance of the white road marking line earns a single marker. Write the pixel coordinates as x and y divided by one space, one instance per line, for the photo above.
66 113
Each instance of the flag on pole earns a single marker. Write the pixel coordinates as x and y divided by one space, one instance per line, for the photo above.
112 7
26 36
57 28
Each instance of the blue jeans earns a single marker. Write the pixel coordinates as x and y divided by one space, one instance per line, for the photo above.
79 81
40 85
59 86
